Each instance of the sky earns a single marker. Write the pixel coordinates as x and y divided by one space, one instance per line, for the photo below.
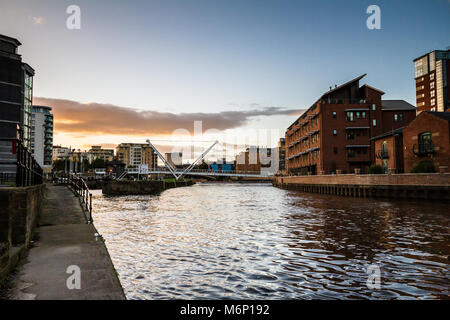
141 69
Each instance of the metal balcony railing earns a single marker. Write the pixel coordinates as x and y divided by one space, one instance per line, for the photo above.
382 154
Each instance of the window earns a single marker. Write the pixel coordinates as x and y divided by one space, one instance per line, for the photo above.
395 117
374 122
425 142
384 149
432 76
363 114
433 102
335 150
374 107
401 117
350 135
350 116
334 132
334 114
431 85
358 115
350 153
432 93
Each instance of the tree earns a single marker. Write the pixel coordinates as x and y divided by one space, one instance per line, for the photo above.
98 163
203 165
375 169
425 166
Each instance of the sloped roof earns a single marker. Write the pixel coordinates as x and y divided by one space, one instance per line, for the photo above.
344 85
442 115
396 105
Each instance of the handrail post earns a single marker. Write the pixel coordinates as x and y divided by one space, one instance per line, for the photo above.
90 207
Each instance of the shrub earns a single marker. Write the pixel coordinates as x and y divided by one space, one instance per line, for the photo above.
375 169
426 166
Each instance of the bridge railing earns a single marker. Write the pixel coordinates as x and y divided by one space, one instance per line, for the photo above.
79 187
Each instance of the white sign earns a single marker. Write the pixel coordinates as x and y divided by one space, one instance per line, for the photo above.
143 169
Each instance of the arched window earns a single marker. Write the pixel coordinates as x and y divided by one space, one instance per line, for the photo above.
425 142
384 149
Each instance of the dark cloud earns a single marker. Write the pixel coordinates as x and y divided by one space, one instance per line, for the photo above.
98 118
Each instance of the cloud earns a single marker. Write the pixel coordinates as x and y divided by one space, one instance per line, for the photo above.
38 20
97 118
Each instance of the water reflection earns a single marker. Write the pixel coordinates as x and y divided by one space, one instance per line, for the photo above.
253 241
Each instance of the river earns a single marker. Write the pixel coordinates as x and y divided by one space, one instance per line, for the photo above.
255 241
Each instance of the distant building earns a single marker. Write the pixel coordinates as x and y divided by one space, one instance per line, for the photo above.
335 132
60 153
282 155
174 158
16 91
98 153
42 136
134 154
427 138
432 74
254 159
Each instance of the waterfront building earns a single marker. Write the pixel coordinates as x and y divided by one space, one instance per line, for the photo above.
60 153
427 138
42 136
98 153
134 154
335 132
174 158
282 155
16 91
389 151
431 76
253 159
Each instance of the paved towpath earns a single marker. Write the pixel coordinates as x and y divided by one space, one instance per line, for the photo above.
64 239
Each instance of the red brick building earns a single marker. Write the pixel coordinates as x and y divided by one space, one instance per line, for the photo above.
427 138
389 150
431 75
335 132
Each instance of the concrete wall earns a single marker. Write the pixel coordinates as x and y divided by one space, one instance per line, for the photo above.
140 187
19 212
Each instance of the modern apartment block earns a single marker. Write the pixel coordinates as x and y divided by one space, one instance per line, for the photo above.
16 91
98 153
335 132
42 136
431 75
134 154
60 153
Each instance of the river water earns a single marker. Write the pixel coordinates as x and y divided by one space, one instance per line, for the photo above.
255 241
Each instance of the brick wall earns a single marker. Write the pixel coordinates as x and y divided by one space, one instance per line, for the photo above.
440 130
411 179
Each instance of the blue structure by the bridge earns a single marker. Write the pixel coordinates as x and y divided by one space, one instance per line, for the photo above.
224 167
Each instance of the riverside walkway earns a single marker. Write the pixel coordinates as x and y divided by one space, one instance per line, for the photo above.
63 239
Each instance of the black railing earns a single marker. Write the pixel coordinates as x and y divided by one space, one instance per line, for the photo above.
81 190
423 148
382 154
17 164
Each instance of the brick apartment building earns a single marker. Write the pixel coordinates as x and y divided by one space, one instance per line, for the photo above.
427 138
431 75
335 132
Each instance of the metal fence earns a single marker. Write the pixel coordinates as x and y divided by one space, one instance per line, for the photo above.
17 165
81 190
